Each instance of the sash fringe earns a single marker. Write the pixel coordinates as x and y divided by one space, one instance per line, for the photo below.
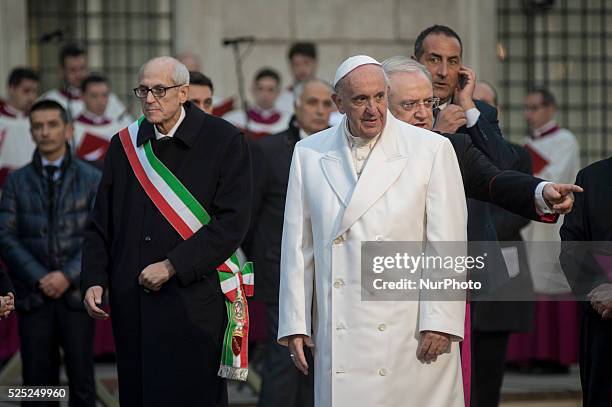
233 373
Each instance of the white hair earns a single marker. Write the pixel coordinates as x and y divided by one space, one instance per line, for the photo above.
180 73
398 64
299 87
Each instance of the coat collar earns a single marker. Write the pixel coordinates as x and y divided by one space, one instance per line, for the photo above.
338 166
187 131
37 161
384 166
293 133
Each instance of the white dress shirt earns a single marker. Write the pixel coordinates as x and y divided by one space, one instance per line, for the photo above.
159 135
471 115
57 163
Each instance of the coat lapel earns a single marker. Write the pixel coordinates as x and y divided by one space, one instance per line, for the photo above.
381 171
338 166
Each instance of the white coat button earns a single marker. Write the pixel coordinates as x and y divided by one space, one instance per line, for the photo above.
340 326
338 283
378 238
382 327
382 372
339 240
340 371
360 158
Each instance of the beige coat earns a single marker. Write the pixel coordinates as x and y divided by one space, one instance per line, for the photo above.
411 190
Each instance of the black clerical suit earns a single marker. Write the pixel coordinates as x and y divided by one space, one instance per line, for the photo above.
590 221
169 342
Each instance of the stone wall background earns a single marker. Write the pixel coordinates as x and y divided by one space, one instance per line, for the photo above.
380 28
340 28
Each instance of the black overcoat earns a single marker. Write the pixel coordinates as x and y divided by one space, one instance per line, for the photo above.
169 342
271 164
590 221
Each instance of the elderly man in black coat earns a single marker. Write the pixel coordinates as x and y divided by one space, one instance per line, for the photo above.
167 306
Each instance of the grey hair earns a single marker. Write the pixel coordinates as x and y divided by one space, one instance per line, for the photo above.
299 87
340 83
180 73
398 64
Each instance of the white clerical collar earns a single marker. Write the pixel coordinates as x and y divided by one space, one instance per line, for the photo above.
159 135
265 113
94 118
546 128
73 91
14 111
358 142
303 134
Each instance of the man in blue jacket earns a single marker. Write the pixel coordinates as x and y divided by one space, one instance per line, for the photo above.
43 213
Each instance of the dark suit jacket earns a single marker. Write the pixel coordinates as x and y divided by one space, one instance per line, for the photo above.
509 316
484 181
271 164
487 137
180 327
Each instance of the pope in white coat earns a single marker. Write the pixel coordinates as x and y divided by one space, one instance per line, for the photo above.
372 177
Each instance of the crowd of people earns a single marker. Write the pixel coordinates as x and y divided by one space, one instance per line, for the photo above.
160 223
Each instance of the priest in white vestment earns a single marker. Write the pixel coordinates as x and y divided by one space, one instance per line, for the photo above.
555 156
74 69
372 178
93 129
16 145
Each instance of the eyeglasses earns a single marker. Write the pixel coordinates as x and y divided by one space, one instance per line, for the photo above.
429 103
141 92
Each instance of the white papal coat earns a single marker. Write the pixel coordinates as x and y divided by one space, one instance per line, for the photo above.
411 190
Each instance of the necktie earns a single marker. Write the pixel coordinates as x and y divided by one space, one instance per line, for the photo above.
50 172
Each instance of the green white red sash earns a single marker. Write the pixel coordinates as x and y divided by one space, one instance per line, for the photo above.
187 216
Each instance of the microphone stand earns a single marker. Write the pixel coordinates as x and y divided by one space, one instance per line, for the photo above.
240 78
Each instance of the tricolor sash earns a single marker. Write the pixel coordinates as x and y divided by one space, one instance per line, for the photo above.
187 216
